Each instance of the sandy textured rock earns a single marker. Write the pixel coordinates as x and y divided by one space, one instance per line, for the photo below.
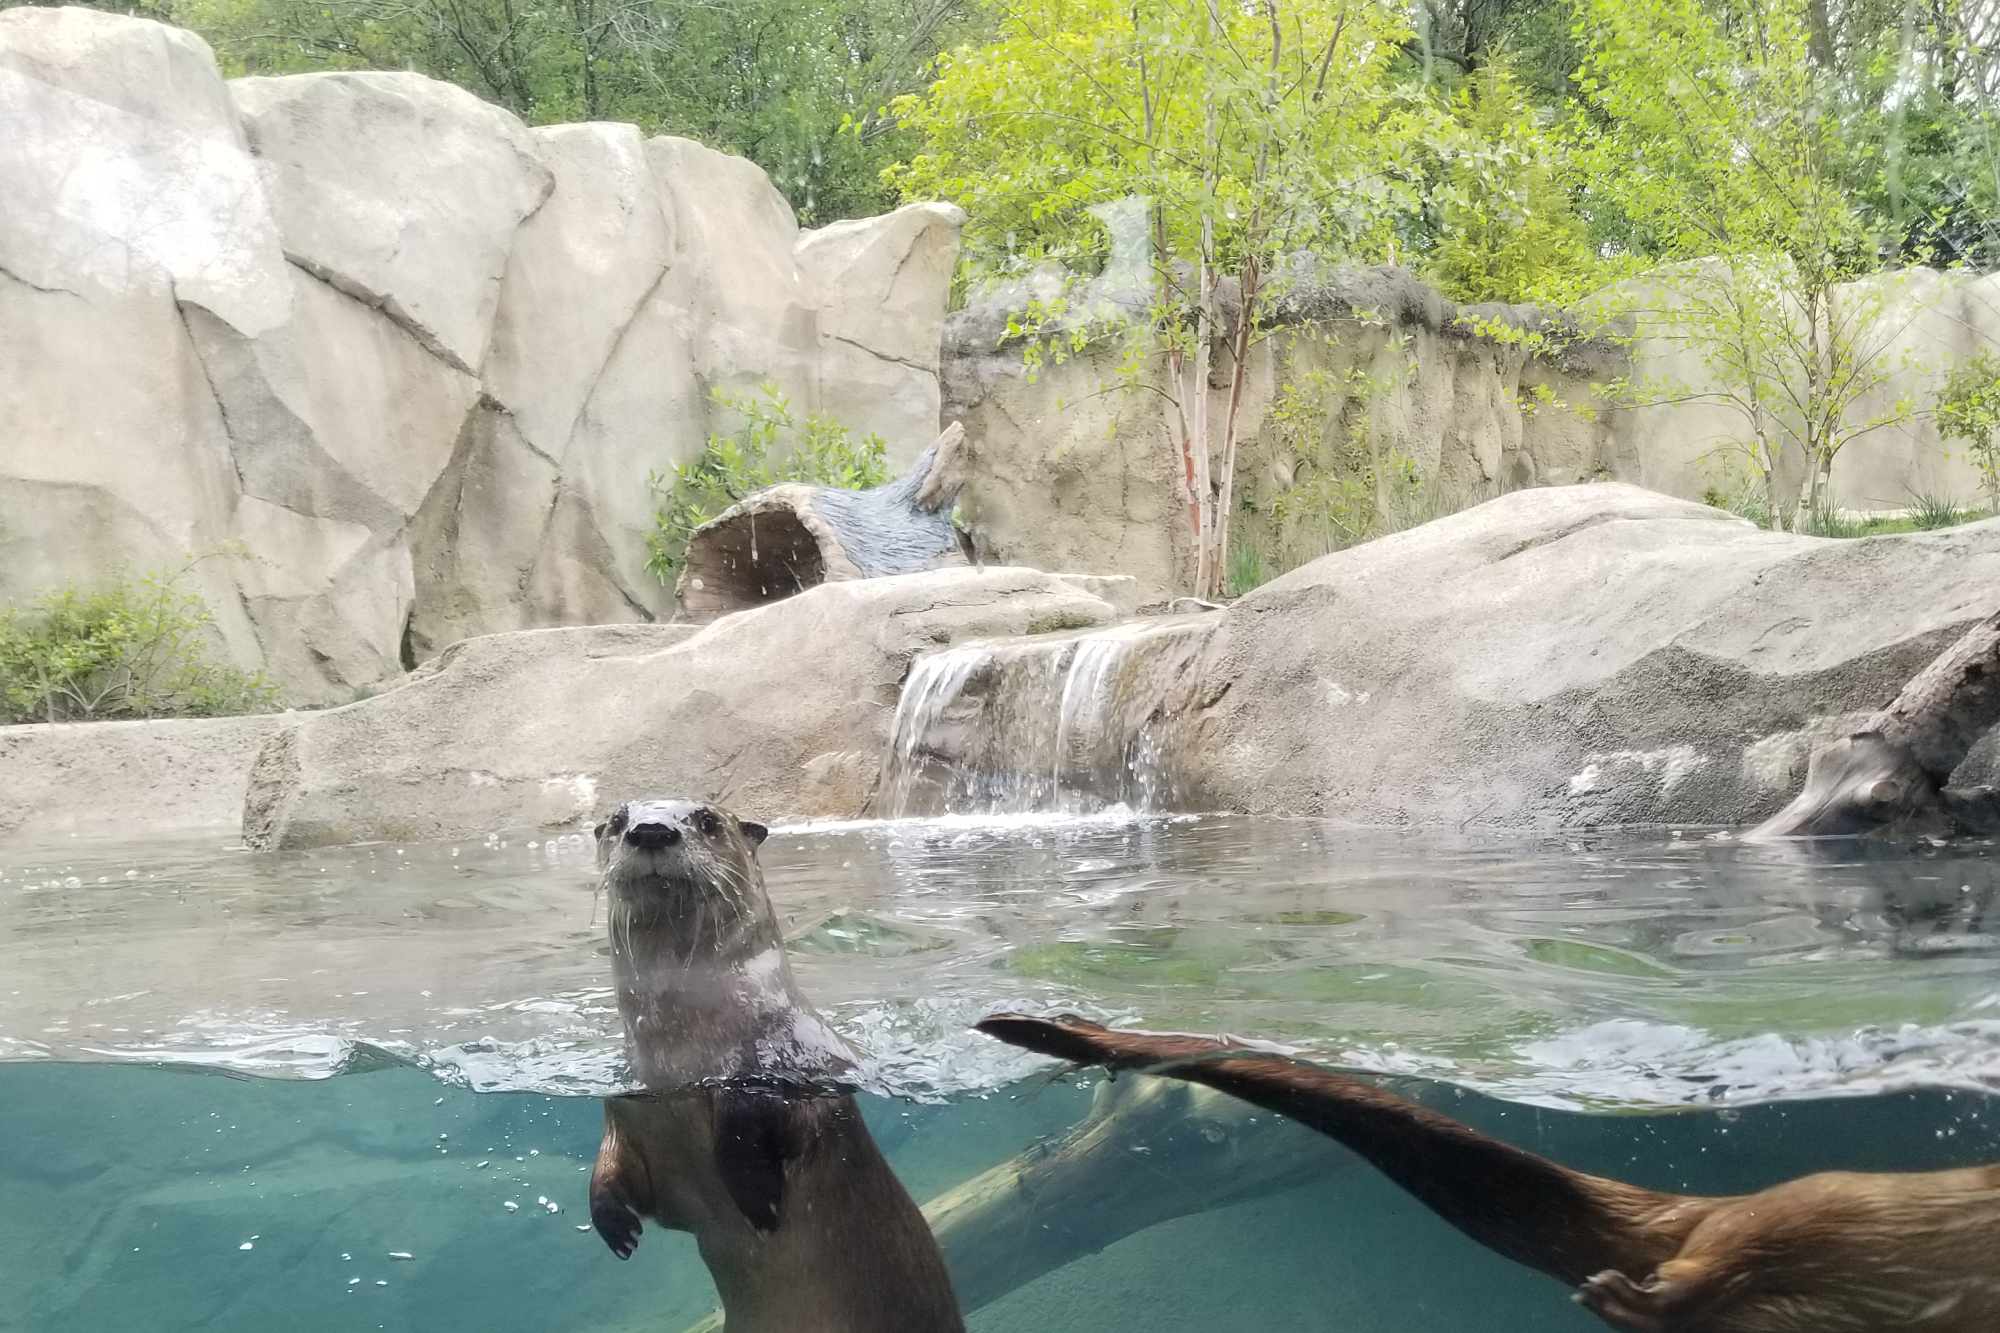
129 779
438 419
401 191
1568 656
124 170
104 475
575 277
883 285
783 710
1073 468
752 314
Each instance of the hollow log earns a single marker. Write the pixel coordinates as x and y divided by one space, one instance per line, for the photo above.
1891 777
784 539
1150 1150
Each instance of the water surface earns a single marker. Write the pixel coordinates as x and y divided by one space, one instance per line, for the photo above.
1602 970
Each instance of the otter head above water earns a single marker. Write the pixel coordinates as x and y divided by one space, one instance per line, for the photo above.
699 961
687 864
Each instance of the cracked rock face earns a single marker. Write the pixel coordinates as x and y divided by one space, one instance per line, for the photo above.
408 359
540 727
1571 656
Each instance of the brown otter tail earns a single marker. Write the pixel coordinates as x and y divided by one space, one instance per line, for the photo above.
1534 1211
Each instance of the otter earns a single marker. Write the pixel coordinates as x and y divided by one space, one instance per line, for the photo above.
1838 1252
747 1133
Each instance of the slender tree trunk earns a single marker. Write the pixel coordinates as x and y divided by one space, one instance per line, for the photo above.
1204 491
1238 372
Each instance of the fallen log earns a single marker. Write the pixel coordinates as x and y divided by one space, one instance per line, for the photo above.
781 540
1891 777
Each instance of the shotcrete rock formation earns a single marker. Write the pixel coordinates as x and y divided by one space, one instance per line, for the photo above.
1557 658
414 359
785 539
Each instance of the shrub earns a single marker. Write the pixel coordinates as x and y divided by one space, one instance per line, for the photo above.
137 648
1930 509
822 453
1968 409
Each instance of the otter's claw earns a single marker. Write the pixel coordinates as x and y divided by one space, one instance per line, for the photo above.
1619 1301
617 1223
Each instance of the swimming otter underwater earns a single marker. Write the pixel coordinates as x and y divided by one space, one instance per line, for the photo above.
1838 1252
747 1135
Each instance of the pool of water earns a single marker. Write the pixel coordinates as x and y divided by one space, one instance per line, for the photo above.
243 1089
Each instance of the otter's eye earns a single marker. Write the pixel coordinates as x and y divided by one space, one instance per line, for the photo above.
617 824
706 821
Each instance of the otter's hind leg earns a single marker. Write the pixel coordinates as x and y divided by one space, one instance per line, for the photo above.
1682 1291
619 1189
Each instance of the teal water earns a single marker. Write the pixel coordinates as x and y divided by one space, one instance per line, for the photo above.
340 1057
128 1197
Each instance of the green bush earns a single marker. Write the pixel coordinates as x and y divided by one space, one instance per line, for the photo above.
137 648
822 453
1968 409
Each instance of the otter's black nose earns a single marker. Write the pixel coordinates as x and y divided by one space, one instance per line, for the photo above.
652 837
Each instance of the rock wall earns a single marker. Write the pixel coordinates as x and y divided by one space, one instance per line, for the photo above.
1559 657
409 361
1574 656
1073 464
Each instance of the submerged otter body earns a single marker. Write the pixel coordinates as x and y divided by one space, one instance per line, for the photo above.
746 1135
1839 1252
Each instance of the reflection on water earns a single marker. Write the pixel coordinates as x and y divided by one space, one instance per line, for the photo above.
1606 969
135 1198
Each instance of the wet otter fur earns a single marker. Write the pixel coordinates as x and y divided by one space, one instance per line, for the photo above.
1838 1252
746 1134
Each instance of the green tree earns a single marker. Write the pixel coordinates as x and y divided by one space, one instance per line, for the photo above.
1507 229
1721 151
797 86
1968 410
1256 132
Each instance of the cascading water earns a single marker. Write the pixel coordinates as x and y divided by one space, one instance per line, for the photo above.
1069 723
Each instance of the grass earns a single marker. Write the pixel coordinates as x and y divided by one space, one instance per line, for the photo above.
1926 512
1246 568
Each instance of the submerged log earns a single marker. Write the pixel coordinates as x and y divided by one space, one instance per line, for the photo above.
785 539
1150 1150
1891 776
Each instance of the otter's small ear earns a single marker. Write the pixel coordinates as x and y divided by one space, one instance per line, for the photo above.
755 832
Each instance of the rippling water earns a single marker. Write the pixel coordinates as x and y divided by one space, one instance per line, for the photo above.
1612 970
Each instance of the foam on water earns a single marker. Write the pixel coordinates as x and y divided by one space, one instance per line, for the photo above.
1627 971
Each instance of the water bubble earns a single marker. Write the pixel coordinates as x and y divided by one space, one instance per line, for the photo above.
510 1205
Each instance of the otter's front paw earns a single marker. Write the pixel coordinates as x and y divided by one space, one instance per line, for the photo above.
1620 1302
616 1221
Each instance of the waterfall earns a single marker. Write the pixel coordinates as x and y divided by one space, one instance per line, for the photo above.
1061 722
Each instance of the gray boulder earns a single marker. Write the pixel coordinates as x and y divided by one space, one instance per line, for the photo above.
401 191
1569 656
783 710
412 359
130 779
